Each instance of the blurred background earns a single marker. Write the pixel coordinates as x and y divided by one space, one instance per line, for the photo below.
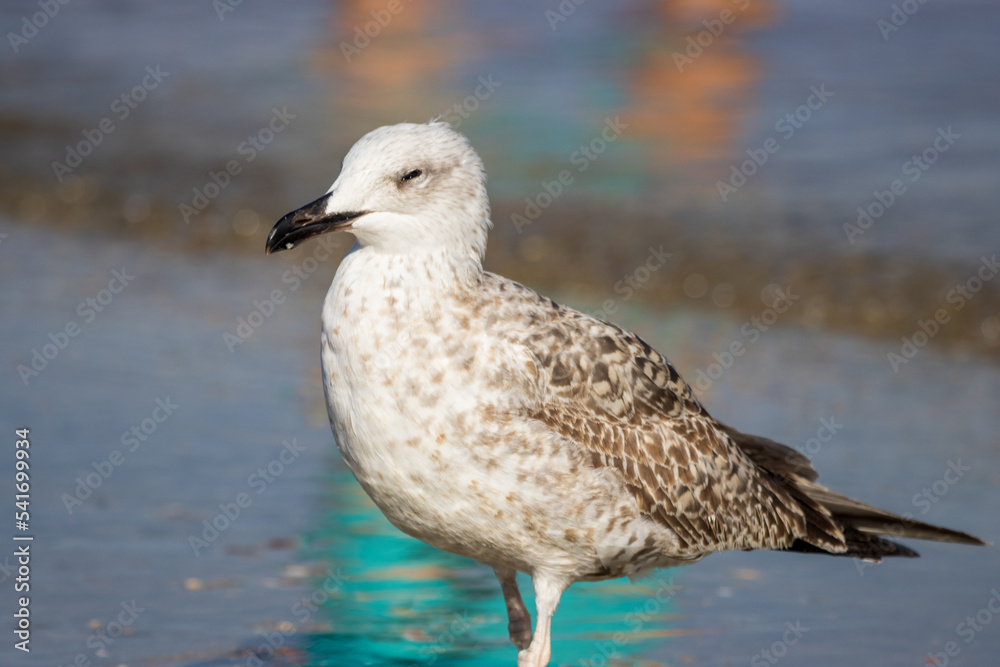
817 182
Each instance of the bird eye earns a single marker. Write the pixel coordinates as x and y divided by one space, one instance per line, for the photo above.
411 175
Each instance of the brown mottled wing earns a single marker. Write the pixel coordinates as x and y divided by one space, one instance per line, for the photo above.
623 403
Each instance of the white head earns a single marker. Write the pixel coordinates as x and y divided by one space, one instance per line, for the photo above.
402 189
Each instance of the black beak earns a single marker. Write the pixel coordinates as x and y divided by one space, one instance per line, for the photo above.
306 222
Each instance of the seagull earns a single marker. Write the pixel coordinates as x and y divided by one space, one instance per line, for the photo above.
494 423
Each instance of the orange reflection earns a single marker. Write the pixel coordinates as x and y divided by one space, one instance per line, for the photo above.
390 60
692 91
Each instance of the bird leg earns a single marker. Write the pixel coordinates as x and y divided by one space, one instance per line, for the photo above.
547 594
519 620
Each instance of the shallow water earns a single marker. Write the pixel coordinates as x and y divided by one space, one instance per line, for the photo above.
309 573
311 565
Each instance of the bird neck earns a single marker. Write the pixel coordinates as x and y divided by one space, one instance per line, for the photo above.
436 272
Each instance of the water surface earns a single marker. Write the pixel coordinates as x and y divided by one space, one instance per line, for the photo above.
310 565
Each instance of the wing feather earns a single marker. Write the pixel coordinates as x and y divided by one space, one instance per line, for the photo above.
626 405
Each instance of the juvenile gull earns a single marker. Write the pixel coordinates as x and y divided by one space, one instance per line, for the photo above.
494 423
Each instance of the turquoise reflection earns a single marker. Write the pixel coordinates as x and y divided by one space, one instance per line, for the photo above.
405 603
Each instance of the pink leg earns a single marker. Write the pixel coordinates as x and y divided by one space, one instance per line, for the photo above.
548 590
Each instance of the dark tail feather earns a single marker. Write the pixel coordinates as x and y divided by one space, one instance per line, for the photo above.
825 526
873 521
859 545
828 513
864 527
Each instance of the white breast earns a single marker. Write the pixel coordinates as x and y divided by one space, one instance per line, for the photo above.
427 405
405 396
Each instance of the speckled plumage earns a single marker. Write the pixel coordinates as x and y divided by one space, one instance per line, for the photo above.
491 422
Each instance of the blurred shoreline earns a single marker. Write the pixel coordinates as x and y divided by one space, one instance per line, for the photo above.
744 158
878 295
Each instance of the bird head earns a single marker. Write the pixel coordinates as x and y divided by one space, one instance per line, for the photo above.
402 188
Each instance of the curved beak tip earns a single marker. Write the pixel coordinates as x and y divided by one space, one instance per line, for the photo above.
306 222
272 246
